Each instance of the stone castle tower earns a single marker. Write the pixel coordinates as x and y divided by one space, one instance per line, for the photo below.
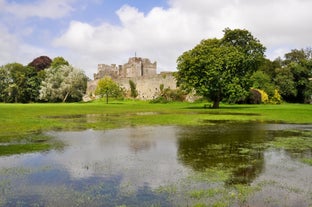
136 67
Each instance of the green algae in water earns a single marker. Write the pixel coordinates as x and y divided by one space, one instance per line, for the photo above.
299 147
294 143
29 144
307 161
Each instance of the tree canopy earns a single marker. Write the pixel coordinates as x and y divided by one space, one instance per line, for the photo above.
299 64
41 63
220 69
106 87
64 83
18 83
58 62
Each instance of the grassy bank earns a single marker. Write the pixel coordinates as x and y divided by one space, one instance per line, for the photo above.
21 119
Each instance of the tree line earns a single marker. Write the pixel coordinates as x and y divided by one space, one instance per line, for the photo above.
234 69
42 80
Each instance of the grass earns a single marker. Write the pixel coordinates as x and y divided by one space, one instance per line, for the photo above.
18 121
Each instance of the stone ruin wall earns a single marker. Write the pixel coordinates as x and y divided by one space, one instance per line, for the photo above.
148 87
107 70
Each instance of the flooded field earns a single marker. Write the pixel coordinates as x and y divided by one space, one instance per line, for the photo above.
216 164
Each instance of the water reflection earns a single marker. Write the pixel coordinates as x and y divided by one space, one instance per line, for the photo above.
232 146
139 140
148 152
131 166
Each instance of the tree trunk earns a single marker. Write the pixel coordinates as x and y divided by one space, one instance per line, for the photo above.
216 100
106 98
64 100
216 104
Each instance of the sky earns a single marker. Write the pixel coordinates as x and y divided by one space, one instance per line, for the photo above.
92 32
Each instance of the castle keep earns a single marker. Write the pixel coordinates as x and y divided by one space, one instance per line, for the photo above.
141 71
136 67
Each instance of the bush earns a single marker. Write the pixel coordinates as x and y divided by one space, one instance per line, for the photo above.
277 98
254 97
264 96
169 95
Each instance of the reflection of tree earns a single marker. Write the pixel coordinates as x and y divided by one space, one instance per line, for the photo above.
233 146
139 140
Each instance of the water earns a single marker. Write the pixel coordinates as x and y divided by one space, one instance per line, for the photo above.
220 163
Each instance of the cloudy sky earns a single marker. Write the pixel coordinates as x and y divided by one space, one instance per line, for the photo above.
87 33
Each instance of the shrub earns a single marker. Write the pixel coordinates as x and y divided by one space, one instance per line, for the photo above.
264 96
277 98
169 95
254 97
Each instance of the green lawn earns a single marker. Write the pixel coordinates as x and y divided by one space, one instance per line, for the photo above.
21 119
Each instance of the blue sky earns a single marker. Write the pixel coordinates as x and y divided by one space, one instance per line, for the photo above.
87 33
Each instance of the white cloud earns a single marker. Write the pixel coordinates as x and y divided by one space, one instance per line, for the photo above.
45 9
12 50
164 34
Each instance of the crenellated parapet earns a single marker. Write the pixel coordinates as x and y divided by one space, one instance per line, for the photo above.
136 67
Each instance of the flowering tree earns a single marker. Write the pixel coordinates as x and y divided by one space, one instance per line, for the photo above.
64 83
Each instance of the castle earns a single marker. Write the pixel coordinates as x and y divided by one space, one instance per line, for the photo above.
136 67
141 71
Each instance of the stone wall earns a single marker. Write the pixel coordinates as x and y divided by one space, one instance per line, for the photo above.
148 87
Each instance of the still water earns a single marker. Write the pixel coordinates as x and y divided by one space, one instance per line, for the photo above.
218 164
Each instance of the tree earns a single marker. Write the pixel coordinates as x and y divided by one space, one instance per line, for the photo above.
221 69
262 81
59 61
64 83
293 78
4 84
108 88
250 47
18 83
41 63
284 80
134 92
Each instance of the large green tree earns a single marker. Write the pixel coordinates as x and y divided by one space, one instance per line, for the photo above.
220 69
19 83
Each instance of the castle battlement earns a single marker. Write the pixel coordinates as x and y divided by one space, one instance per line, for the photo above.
136 67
